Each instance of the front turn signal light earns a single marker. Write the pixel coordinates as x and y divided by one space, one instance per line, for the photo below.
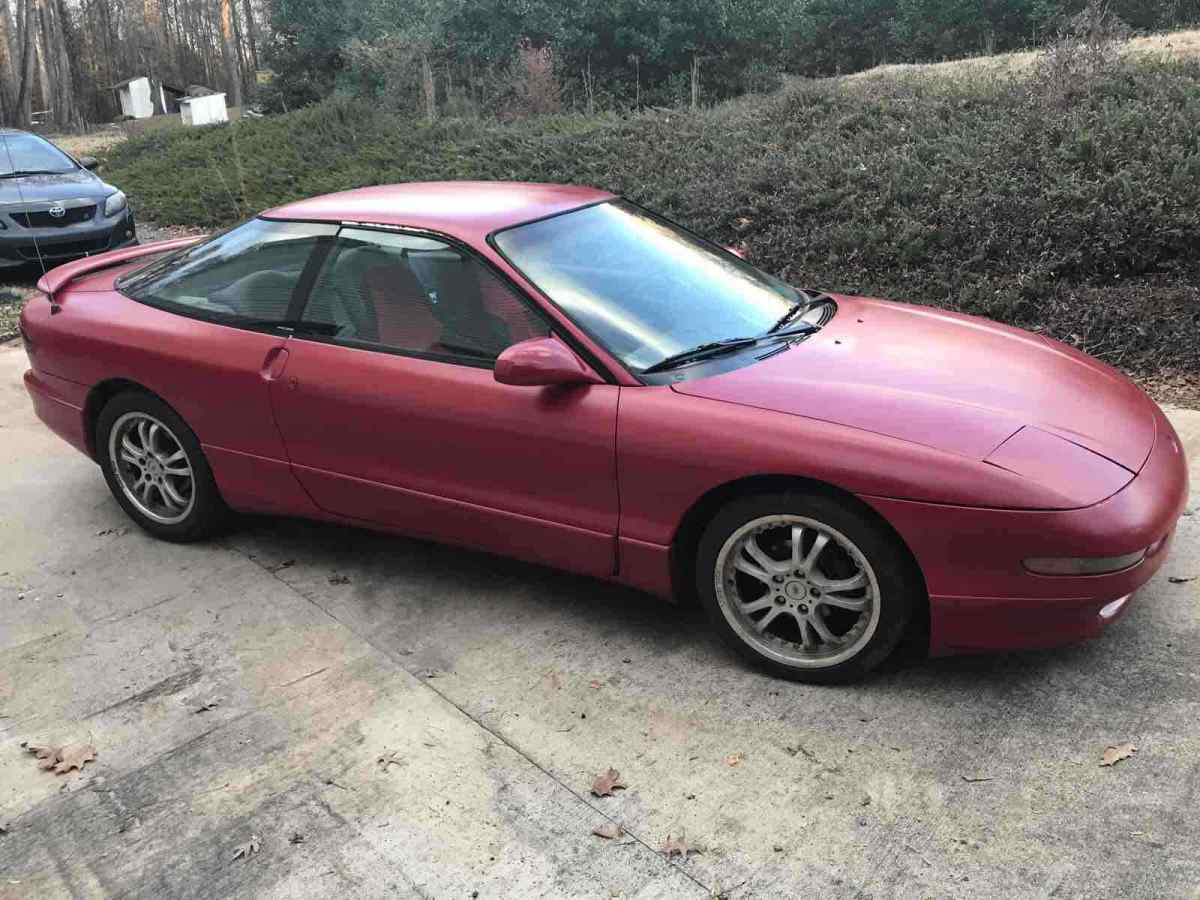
1086 565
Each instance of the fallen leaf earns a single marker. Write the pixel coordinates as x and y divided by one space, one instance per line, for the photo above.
677 847
387 759
609 831
248 849
605 784
1177 579
74 757
47 756
734 759
1113 755
339 579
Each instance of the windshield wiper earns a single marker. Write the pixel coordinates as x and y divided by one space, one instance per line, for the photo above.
704 351
21 173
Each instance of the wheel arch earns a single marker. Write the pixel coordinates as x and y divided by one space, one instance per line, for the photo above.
98 398
686 542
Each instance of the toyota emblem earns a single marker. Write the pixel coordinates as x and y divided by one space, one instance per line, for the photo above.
57 211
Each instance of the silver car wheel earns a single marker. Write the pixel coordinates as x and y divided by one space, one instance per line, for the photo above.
152 467
797 591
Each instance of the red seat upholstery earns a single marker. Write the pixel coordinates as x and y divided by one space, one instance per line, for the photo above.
404 316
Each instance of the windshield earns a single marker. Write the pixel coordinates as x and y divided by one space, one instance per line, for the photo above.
645 289
28 153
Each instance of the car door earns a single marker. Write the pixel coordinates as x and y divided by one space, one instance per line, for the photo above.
397 418
210 343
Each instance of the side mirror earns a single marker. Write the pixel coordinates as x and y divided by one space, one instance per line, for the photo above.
542 362
89 162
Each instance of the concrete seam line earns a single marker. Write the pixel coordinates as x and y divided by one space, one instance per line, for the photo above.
479 724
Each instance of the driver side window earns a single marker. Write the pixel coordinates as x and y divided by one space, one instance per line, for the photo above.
418 295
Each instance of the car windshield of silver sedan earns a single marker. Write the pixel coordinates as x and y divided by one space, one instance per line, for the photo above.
654 295
27 154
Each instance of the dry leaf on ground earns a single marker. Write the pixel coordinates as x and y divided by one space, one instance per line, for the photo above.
388 759
74 757
605 784
609 830
677 846
1113 755
61 759
248 849
734 759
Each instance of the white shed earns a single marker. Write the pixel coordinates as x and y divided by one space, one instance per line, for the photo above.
136 101
205 110
143 97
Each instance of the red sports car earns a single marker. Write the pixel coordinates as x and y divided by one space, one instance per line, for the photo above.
557 374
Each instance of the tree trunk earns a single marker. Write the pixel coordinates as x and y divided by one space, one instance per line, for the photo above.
59 63
36 24
8 70
25 89
695 80
248 16
427 88
232 76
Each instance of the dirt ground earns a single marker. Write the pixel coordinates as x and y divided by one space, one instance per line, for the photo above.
299 710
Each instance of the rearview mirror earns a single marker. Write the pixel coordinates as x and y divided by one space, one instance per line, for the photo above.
541 362
89 162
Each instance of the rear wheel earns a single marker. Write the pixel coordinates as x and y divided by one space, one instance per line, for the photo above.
156 470
805 585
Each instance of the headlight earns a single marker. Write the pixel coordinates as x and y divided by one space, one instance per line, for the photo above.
1095 565
114 204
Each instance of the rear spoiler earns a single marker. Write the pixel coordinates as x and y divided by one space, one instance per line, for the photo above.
54 280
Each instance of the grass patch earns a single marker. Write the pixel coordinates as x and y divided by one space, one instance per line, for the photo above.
1077 216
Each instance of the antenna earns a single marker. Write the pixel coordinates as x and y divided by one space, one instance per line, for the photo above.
21 194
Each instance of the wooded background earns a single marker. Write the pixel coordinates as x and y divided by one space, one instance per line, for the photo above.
61 58
512 58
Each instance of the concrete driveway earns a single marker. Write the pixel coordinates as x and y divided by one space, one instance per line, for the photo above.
387 717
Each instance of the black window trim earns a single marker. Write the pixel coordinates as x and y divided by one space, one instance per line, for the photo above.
454 359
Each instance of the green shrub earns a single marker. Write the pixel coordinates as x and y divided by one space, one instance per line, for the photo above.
973 194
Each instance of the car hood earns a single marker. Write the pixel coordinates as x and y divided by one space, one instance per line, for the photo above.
952 382
40 188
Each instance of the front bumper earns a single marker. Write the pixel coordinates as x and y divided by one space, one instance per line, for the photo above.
982 598
20 246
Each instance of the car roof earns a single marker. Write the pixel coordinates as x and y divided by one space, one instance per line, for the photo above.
467 210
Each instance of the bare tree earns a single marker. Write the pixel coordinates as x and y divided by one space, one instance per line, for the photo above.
8 72
232 75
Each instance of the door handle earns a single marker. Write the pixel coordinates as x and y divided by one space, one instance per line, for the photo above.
274 363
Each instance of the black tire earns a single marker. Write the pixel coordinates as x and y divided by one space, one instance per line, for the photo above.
895 592
205 514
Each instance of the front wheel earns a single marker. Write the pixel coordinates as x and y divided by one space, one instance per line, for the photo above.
806 586
156 470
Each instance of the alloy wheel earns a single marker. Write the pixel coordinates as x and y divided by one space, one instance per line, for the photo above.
798 591
152 467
